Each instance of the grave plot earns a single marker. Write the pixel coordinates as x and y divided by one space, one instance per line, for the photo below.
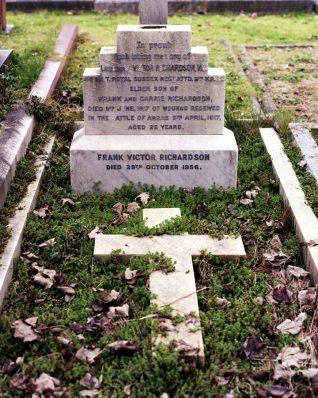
74 325
289 77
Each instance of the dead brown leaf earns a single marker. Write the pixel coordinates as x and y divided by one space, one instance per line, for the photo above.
118 208
132 207
90 381
131 276
124 346
120 219
122 311
254 348
97 230
19 382
42 212
45 384
69 292
67 201
143 198
24 331
293 327
88 354
48 243
110 296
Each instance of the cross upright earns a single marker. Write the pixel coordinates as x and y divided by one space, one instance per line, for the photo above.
153 12
176 289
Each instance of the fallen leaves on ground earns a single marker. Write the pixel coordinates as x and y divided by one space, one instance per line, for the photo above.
143 198
69 292
293 327
67 201
24 329
120 219
88 355
307 299
276 258
124 346
279 294
254 348
48 243
131 276
45 277
43 212
97 230
132 207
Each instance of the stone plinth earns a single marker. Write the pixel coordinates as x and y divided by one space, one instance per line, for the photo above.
106 162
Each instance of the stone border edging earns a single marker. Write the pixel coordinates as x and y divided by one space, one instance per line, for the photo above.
304 219
307 145
18 221
255 104
16 129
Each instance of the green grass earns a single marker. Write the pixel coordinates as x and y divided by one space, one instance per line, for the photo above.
241 282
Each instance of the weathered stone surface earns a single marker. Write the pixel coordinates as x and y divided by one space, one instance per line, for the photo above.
16 130
15 135
107 162
176 289
4 57
155 217
305 221
153 12
307 146
52 70
17 224
154 83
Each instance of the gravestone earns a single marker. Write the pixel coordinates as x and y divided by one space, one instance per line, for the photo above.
153 112
175 289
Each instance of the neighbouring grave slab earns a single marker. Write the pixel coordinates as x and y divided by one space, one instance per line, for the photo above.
16 130
176 289
305 221
307 145
18 221
153 113
5 56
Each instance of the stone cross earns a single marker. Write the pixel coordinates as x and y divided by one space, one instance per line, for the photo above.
153 12
176 289
3 15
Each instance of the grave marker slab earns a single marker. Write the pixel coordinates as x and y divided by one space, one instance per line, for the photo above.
153 113
4 57
176 289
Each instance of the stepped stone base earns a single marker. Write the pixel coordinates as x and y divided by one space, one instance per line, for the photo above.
106 162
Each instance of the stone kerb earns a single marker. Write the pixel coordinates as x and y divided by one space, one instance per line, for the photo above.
16 129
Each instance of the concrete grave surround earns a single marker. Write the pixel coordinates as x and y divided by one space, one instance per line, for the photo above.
5 56
18 221
16 130
307 145
304 219
176 289
153 113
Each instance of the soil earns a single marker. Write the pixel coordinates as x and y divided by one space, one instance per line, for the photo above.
291 78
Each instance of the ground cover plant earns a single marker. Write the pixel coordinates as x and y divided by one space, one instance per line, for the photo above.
59 317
